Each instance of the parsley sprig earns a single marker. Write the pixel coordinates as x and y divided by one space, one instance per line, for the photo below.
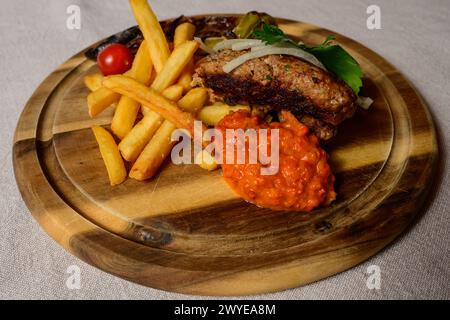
332 56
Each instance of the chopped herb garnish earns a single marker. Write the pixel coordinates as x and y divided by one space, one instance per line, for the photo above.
332 56
287 68
268 77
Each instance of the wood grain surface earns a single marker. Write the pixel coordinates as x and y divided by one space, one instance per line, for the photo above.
185 231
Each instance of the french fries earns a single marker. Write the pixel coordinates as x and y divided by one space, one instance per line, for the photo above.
152 31
173 93
160 145
173 67
151 99
127 108
149 161
168 73
111 156
133 144
177 61
194 100
154 153
148 142
101 99
93 81
135 141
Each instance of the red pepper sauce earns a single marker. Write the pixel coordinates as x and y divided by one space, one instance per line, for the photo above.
304 179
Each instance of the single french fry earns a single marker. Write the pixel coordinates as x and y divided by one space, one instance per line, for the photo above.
152 79
142 67
154 153
151 99
127 108
194 100
136 140
101 99
111 155
206 161
185 78
93 81
177 61
124 116
152 31
211 115
174 92
184 32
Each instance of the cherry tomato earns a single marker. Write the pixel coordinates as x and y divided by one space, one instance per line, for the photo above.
115 59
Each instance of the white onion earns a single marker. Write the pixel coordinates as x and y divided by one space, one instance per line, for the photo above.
364 102
203 46
258 53
227 44
259 47
246 45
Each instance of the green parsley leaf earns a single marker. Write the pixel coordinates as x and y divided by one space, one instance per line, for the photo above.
333 57
271 34
341 63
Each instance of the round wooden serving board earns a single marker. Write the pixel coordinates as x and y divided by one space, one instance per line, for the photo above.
185 230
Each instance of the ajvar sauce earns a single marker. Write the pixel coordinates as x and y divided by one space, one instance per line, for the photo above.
304 179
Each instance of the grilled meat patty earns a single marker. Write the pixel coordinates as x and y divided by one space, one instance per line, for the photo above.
314 96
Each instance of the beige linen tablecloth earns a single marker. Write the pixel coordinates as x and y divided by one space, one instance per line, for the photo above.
415 37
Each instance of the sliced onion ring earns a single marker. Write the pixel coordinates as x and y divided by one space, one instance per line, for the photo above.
227 44
203 46
258 53
244 45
